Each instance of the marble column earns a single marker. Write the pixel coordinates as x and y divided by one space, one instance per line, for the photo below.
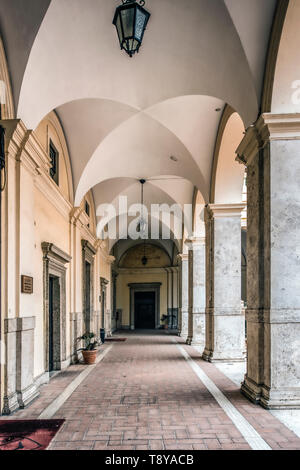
225 319
197 295
271 151
184 296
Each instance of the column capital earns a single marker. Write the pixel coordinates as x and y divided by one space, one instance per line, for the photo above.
183 257
219 211
269 127
195 242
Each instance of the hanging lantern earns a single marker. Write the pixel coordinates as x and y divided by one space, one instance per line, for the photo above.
130 21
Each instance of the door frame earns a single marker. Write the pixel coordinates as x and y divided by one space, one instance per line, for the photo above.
54 264
145 287
88 255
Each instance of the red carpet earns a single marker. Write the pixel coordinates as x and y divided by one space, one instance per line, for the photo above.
28 435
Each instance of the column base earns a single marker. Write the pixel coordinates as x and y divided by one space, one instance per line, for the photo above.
183 336
25 397
189 340
251 390
269 399
215 357
10 404
284 399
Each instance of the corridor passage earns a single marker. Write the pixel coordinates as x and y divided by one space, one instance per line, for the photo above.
145 395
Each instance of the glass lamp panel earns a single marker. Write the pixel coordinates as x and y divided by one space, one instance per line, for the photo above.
119 29
140 24
127 16
136 45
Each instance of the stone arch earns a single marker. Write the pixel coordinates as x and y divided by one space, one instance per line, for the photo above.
277 29
198 214
282 78
227 174
7 103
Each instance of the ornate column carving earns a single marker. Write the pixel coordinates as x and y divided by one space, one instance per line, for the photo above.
271 151
225 322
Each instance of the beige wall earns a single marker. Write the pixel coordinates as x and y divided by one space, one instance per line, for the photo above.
36 210
139 276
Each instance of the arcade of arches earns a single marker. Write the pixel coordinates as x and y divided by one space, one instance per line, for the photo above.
208 113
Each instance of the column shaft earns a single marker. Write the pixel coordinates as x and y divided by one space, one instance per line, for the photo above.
225 321
196 326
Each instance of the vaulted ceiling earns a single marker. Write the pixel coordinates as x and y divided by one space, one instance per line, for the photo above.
124 118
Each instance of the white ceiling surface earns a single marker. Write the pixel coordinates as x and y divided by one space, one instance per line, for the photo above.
124 118
19 24
253 21
169 190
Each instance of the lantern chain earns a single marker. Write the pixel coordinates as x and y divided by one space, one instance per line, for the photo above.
141 2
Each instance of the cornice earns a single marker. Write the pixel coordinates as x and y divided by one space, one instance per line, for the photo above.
53 252
87 246
195 242
15 134
220 211
183 257
268 128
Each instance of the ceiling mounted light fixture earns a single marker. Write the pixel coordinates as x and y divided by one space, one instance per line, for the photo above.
143 224
130 21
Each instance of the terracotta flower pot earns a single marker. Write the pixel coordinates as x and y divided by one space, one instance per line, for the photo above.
89 357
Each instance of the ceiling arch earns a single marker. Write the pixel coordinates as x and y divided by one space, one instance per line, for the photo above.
186 50
228 175
140 148
170 240
286 87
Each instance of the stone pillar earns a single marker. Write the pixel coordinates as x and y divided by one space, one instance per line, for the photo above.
196 323
75 332
271 151
20 386
225 321
169 295
184 296
175 297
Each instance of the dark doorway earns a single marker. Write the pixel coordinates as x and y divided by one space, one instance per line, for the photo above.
54 323
144 307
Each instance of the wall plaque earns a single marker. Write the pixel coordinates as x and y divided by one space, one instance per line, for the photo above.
26 285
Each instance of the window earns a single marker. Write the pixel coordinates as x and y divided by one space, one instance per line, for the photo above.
87 208
54 157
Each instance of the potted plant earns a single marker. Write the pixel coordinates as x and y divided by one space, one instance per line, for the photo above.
165 319
89 352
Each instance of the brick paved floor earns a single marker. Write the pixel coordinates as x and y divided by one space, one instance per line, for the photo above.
145 396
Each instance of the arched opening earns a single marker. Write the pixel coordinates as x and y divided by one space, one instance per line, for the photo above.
146 294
